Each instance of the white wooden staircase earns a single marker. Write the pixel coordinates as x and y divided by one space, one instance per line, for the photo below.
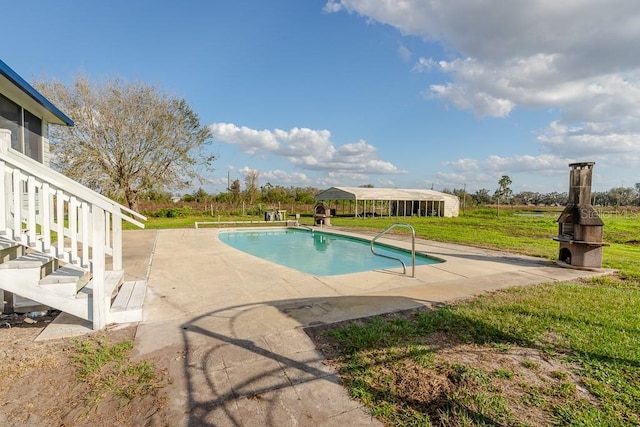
56 239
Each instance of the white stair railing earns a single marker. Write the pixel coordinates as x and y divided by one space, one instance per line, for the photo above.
37 202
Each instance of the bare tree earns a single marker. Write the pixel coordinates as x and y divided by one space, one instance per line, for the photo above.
127 138
251 185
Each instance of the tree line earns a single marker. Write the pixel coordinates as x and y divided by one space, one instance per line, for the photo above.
617 196
268 194
133 142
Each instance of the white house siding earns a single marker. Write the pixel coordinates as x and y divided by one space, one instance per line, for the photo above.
46 148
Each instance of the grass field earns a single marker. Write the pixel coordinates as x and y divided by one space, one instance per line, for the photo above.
555 354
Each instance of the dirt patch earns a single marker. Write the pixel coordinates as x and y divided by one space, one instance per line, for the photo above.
39 383
529 380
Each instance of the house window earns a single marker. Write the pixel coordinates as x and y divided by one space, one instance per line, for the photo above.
32 136
26 129
10 118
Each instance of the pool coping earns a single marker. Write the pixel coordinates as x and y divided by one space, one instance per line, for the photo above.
389 243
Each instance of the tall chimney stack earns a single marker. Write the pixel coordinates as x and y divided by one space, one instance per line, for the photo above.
580 183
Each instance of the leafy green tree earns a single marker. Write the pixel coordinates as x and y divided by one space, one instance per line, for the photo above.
621 196
482 196
527 198
504 191
465 198
128 138
305 196
155 196
235 191
200 196
554 198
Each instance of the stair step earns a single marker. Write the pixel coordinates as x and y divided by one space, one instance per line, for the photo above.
112 280
64 274
68 279
32 260
130 296
7 243
10 249
127 306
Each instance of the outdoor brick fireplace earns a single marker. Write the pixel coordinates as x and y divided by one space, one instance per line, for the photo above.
579 225
321 214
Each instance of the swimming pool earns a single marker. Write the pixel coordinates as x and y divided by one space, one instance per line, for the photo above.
318 253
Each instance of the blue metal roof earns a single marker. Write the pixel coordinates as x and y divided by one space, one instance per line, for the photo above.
22 84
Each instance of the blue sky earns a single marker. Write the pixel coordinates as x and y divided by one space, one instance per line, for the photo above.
407 94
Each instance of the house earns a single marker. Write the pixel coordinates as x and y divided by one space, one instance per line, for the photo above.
60 242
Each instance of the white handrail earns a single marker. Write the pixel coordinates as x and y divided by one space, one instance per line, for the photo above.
413 247
38 198
56 179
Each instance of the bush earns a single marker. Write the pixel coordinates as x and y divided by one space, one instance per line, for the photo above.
174 212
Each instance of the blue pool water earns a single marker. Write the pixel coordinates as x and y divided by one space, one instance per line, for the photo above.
318 253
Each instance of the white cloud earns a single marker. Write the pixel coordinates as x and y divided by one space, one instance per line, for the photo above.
590 140
543 164
579 58
385 183
485 173
249 140
404 53
495 31
424 65
452 180
305 148
464 165
294 179
332 6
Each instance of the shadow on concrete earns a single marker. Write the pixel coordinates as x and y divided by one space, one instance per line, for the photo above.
206 346
509 259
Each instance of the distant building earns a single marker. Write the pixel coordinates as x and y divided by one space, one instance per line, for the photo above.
390 201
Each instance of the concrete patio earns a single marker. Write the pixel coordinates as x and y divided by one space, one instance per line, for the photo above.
229 327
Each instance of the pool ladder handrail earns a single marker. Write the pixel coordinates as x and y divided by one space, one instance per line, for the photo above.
307 227
413 247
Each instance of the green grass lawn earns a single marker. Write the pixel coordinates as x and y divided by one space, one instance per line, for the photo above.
517 231
554 354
